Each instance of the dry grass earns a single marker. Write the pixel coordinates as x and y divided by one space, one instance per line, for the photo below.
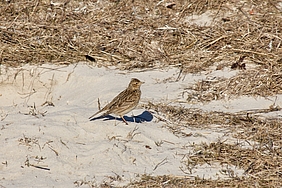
174 182
136 35
195 117
261 158
260 82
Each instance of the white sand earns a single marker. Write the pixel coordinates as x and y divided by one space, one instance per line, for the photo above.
73 149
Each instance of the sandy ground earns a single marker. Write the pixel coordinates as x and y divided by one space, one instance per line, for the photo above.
48 140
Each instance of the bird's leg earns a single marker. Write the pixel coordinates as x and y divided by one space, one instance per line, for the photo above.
124 120
134 119
115 121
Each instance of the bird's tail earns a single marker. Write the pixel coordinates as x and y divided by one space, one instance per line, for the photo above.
99 112
94 115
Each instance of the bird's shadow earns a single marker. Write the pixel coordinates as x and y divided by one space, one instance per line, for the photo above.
146 116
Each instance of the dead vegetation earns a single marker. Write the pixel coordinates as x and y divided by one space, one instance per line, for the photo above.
198 118
175 182
155 34
261 82
260 158
136 35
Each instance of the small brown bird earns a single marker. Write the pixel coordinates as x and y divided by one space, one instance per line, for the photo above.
124 102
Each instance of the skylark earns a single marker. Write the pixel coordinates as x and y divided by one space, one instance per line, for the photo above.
124 102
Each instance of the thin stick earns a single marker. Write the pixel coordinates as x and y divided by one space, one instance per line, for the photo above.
99 105
160 163
214 41
249 51
40 167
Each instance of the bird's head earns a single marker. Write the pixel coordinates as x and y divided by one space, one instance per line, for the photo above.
135 83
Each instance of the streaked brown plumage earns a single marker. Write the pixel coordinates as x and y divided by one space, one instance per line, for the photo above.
124 102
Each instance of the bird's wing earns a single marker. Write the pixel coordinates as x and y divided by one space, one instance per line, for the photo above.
128 101
111 105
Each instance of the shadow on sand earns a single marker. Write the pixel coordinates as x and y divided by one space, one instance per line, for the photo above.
144 117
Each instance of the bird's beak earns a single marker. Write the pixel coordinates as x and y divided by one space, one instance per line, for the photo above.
142 82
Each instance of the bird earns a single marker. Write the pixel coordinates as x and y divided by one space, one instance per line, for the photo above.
124 102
